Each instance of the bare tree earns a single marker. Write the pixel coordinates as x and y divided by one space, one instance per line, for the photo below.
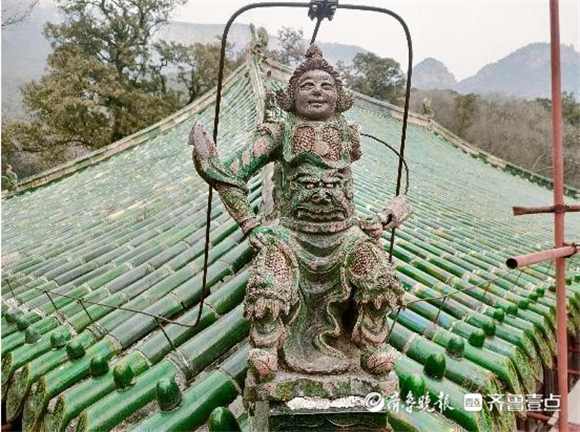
516 130
17 13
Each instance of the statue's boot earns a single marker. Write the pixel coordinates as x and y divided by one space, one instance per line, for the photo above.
263 363
378 361
265 335
369 333
272 289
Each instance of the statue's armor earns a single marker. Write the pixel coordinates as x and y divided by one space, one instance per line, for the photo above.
320 289
319 151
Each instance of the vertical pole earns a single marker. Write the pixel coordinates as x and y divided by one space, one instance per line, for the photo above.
558 176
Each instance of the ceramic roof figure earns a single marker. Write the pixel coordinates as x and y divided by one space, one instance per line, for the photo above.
320 289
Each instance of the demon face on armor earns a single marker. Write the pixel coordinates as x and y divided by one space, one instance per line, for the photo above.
320 194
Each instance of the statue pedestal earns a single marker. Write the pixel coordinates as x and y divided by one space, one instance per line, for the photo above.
300 402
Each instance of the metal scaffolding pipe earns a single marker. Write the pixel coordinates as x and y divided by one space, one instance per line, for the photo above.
538 257
519 211
558 175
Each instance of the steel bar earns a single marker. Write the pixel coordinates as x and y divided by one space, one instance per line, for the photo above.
558 175
565 208
538 257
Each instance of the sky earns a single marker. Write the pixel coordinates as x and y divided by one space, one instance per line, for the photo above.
465 35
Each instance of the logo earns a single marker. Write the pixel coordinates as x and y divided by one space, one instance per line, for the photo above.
472 402
374 402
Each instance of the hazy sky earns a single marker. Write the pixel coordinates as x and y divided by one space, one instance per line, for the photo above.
465 35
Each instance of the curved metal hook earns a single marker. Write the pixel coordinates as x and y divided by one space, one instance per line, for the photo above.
401 158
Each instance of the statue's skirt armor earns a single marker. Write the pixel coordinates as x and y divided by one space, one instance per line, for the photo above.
320 294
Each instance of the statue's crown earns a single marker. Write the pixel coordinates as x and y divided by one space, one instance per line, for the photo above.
313 51
314 60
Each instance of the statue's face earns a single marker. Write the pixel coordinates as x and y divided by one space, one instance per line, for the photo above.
315 95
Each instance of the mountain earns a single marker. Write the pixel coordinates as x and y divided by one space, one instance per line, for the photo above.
525 73
432 74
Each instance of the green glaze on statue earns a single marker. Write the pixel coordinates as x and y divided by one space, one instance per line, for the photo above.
321 288
321 285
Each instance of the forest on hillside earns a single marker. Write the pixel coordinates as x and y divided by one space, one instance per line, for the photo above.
516 130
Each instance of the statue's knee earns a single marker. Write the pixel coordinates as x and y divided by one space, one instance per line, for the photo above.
373 277
273 284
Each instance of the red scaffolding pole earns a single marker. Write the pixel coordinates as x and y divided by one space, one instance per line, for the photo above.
561 251
558 176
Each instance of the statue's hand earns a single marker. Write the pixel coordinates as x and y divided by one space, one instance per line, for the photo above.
261 236
203 147
372 226
397 212
390 217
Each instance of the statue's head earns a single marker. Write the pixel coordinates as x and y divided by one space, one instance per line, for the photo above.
315 90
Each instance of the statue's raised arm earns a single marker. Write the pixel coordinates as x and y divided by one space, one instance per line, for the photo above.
230 178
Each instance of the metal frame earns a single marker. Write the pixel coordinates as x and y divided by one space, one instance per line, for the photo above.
318 9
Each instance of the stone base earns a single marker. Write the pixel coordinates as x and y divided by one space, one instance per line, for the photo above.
289 385
300 402
280 418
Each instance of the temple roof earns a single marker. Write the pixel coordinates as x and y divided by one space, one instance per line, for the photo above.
99 254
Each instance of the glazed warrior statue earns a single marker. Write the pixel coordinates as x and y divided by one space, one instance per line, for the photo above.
321 286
